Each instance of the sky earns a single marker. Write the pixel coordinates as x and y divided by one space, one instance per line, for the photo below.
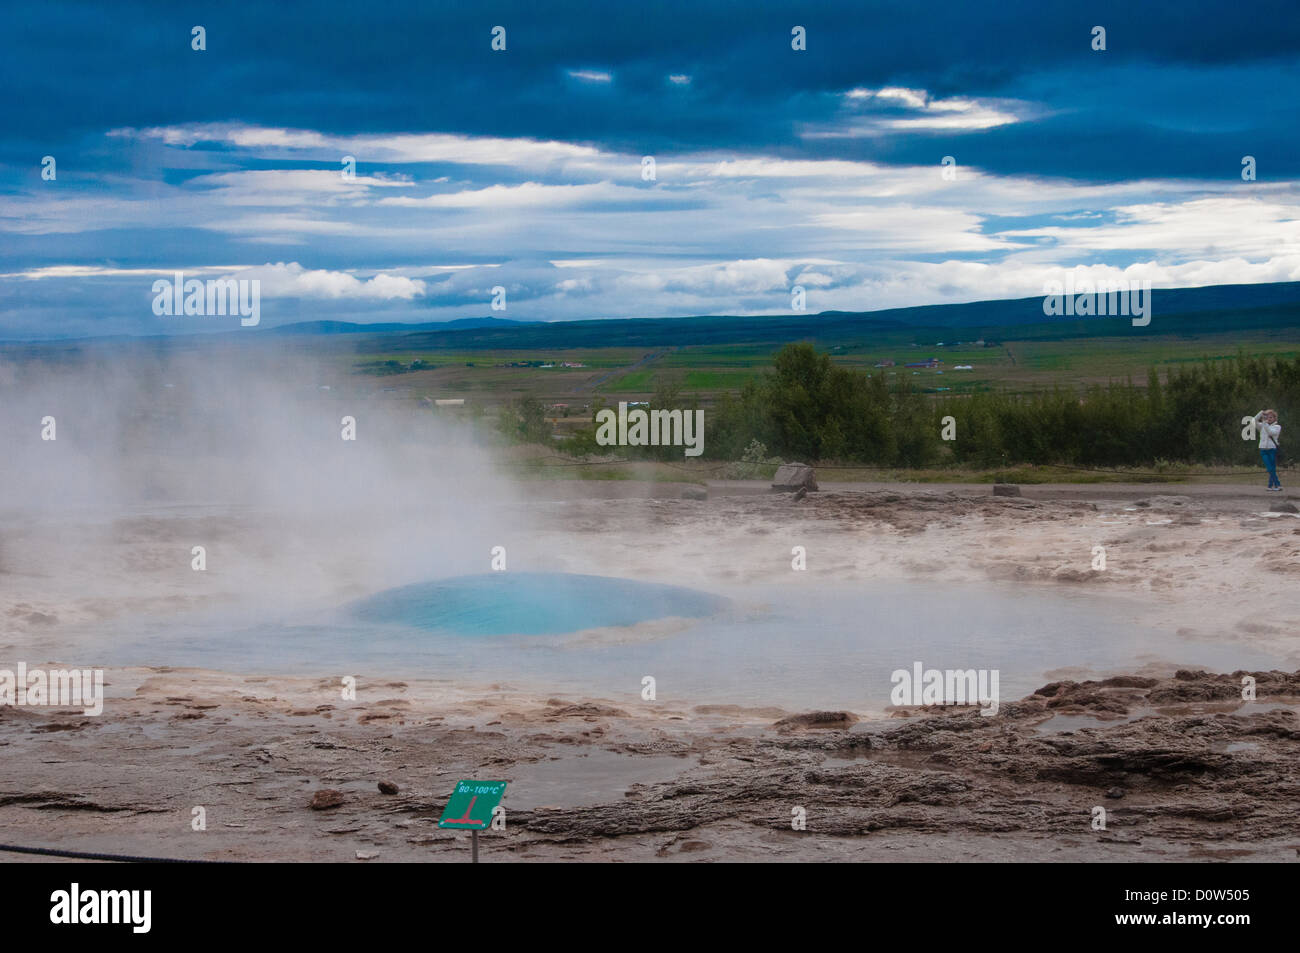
633 159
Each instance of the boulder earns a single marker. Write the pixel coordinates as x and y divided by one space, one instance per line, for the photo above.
1283 507
819 719
326 799
388 787
791 476
1005 489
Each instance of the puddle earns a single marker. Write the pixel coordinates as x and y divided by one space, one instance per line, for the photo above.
1259 708
1060 724
594 777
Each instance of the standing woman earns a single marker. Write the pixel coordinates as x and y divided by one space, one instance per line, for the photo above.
1269 432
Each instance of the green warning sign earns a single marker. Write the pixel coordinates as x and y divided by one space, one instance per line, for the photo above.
470 807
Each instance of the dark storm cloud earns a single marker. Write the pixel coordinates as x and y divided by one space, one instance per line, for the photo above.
74 69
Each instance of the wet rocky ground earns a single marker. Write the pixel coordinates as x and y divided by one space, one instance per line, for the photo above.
1181 767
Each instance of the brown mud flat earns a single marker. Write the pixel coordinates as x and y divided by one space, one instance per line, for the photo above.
1182 767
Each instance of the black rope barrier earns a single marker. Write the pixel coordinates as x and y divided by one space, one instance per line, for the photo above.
88 855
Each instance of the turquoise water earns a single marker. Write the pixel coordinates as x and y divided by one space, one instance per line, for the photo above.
532 603
798 644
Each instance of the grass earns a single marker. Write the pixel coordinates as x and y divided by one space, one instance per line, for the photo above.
636 382
708 371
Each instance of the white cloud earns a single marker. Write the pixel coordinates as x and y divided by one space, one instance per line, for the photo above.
912 98
912 228
396 148
573 231
294 188
84 271
526 195
292 280
1243 225
869 112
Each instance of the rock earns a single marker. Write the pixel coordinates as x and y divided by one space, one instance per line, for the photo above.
326 799
1283 507
1115 793
1052 689
791 476
800 493
585 710
1005 489
387 787
694 493
819 719
367 854
1129 681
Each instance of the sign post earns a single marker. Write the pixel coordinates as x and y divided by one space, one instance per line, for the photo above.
470 808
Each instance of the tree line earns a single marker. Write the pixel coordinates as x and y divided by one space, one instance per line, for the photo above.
810 409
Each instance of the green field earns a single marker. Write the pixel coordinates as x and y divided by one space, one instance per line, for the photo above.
706 357
708 371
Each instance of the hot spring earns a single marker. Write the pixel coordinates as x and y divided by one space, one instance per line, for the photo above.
788 645
532 604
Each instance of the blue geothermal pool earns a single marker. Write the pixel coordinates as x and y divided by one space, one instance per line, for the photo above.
532 604
791 644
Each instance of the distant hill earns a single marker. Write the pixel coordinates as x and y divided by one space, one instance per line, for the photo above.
1167 302
1208 310
1211 309
351 327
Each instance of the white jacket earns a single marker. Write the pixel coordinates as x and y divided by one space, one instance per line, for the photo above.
1268 433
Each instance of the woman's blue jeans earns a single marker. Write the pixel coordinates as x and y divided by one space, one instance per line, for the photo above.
1270 461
